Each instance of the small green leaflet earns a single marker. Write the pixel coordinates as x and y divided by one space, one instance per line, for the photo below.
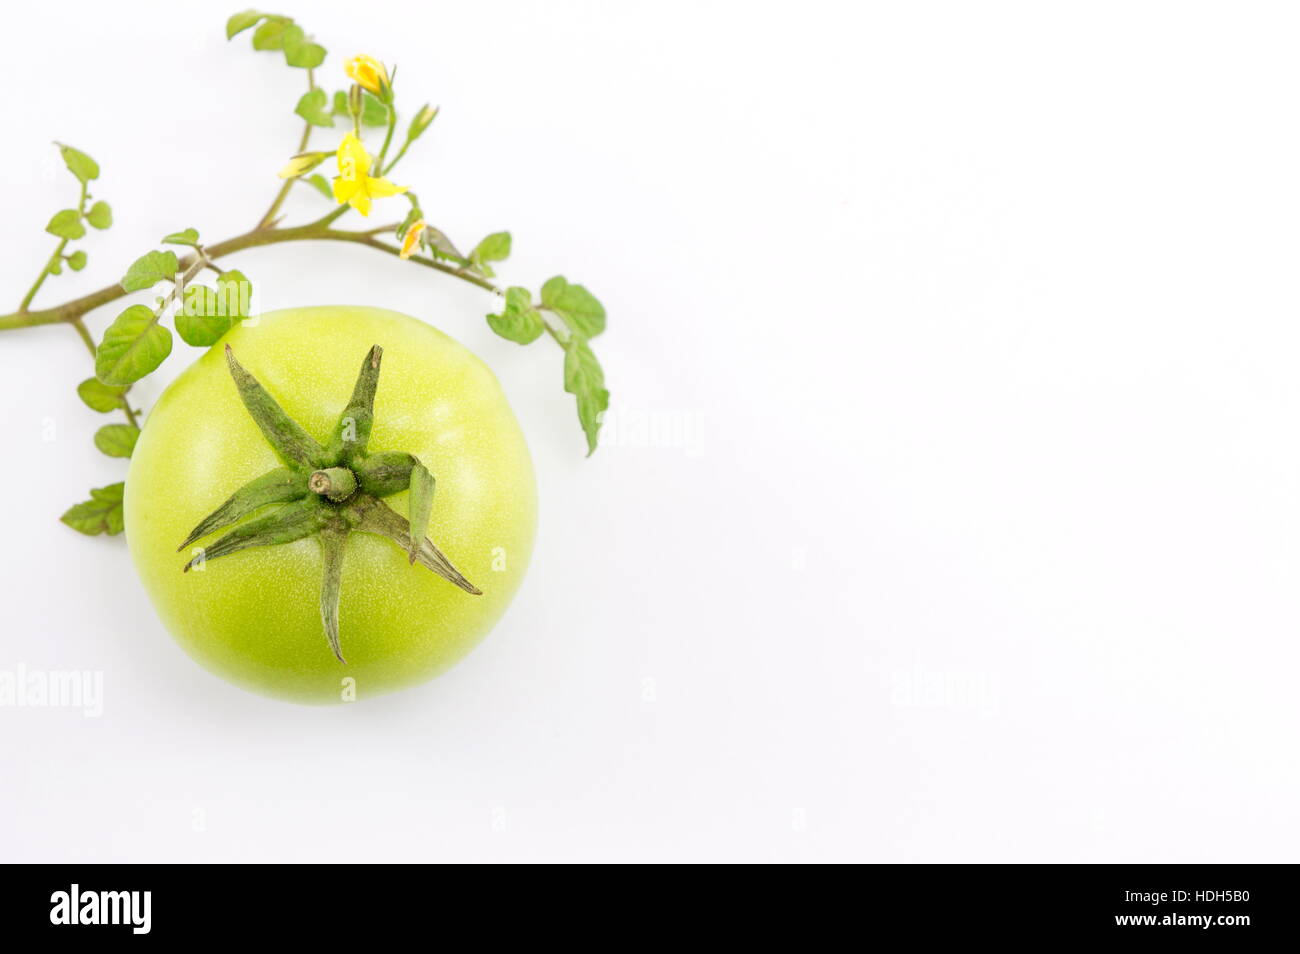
269 36
199 322
98 396
577 306
242 21
66 224
584 379
187 237
133 346
314 107
519 321
321 185
79 164
77 260
100 215
149 269
494 248
208 313
102 513
234 293
298 50
373 112
419 506
117 440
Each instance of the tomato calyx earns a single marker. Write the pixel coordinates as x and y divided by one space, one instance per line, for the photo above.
326 491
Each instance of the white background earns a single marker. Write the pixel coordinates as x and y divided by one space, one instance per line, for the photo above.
974 331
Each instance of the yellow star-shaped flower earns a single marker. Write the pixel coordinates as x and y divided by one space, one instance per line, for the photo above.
354 184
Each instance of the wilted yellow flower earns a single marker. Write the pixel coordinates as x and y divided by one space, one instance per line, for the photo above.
368 73
411 241
354 184
303 162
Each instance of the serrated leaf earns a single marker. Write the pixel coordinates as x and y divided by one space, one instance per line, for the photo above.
585 380
186 237
494 248
321 185
269 36
313 107
98 396
100 215
242 21
149 269
77 260
102 513
133 346
79 164
577 306
518 321
66 223
200 321
117 440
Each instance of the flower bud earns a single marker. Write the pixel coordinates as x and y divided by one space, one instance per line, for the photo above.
411 240
423 119
301 163
368 73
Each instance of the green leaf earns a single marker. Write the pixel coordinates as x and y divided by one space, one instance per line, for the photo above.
100 215
55 267
117 440
149 269
102 513
79 164
66 223
373 112
98 396
494 248
299 51
577 306
584 379
77 260
322 185
519 321
133 346
235 293
313 108
242 21
270 35
419 505
187 237
200 322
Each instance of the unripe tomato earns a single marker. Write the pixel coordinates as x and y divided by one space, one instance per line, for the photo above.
255 616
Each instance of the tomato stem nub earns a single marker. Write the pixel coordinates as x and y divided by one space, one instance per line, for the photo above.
336 483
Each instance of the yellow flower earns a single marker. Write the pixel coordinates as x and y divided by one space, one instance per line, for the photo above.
368 73
411 241
354 184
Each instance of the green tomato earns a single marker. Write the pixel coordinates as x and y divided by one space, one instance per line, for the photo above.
255 616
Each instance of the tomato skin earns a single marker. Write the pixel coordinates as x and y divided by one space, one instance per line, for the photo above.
254 616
